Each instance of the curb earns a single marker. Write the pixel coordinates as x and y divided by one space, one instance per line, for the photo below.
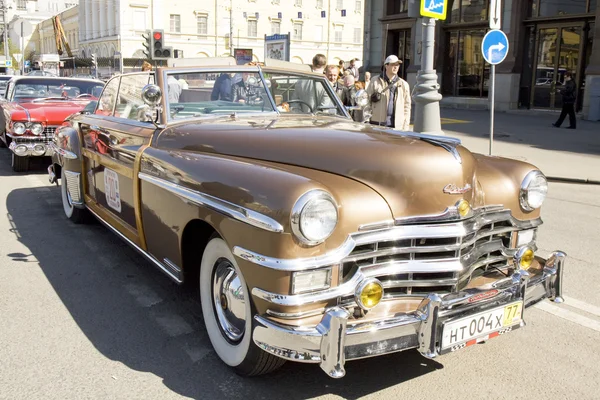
572 180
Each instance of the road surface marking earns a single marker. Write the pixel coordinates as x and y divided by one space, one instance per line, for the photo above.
569 315
583 306
145 296
174 325
454 121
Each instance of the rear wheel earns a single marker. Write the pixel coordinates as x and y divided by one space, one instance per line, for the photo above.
77 215
228 312
19 163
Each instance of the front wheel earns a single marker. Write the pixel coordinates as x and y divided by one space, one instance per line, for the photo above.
228 312
77 215
19 163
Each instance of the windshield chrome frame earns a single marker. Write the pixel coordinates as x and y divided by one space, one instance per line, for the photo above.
241 68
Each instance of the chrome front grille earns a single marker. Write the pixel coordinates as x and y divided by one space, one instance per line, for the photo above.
434 257
45 137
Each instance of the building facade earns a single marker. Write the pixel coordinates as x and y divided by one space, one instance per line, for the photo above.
547 38
214 28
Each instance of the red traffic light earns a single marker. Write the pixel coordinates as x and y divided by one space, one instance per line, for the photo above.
157 35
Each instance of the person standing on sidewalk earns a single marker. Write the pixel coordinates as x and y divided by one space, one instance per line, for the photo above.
568 103
390 97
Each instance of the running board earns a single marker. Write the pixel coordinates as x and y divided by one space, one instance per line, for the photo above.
169 268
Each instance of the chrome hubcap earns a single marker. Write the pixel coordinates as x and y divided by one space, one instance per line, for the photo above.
229 301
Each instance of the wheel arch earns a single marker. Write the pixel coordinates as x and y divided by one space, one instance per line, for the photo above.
194 239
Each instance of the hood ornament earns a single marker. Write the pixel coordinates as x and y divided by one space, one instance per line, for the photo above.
451 188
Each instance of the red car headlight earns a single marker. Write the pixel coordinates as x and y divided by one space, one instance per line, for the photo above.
18 128
37 129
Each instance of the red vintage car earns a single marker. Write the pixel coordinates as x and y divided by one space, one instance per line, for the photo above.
34 107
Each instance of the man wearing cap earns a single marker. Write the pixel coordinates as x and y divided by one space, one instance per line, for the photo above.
390 97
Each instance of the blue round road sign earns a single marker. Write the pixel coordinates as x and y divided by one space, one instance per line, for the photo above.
494 47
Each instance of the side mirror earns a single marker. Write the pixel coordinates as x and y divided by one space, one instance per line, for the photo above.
152 95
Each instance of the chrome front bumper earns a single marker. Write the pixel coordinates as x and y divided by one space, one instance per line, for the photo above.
30 149
337 339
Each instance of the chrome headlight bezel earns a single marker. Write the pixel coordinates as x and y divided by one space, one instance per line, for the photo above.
524 195
297 214
19 128
36 128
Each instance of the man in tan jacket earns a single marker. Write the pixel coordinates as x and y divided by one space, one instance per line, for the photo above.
390 97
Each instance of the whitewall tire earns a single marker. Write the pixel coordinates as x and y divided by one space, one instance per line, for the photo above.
228 312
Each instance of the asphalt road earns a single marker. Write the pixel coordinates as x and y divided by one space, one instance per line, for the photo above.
84 316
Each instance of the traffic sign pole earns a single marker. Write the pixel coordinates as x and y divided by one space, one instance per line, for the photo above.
495 49
492 93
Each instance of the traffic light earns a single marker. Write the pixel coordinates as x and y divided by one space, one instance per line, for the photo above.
94 61
159 51
147 43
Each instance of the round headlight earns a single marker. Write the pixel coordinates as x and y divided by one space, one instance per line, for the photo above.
314 217
37 129
533 191
18 128
524 257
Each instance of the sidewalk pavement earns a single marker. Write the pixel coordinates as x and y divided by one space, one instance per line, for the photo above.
561 154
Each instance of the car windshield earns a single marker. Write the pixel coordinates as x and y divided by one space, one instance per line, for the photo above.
196 94
37 89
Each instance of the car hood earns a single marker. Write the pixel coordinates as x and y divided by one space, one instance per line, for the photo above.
410 173
51 112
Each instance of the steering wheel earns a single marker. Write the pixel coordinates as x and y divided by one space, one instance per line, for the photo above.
301 102
83 95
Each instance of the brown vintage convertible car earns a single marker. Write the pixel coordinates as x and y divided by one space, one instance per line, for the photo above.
312 238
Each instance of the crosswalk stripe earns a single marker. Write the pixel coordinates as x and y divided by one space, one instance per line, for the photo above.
581 305
569 315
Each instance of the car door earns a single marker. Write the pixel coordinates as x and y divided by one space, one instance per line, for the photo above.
114 137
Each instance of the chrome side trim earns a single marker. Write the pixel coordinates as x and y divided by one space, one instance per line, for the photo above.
149 257
296 315
231 210
65 153
455 229
173 267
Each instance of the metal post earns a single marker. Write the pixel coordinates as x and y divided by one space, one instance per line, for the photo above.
492 90
231 27
5 33
22 51
427 97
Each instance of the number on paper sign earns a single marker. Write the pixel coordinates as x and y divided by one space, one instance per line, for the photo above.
111 189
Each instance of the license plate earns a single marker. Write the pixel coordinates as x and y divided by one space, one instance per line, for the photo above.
466 331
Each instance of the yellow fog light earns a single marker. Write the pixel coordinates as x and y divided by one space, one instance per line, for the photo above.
369 293
464 208
524 257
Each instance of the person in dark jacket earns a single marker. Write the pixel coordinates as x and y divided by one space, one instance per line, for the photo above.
223 89
568 102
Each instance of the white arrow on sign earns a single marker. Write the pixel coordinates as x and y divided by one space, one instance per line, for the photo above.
495 14
495 47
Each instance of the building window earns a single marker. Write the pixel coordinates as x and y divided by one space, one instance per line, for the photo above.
397 6
202 21
358 6
252 28
297 30
357 36
175 23
21 4
468 11
466 73
275 1
338 35
340 5
547 8
139 20
275 27
298 3
318 33
319 3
